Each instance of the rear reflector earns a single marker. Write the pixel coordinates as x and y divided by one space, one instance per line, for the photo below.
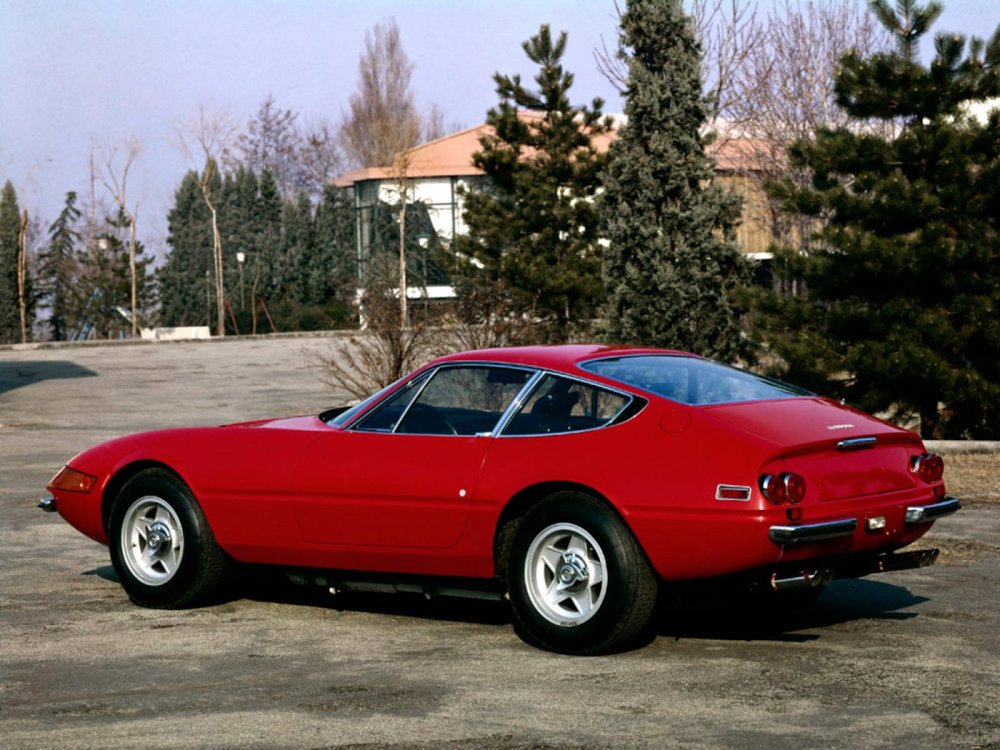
732 492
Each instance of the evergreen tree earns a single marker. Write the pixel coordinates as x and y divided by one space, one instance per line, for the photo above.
904 295
186 286
240 226
534 227
299 250
59 271
10 227
273 271
671 268
333 267
104 283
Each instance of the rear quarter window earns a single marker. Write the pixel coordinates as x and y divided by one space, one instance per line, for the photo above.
691 380
558 404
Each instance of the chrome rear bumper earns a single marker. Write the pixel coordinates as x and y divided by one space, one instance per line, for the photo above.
812 532
818 532
927 513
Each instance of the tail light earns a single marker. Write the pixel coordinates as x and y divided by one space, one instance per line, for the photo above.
795 487
929 467
781 488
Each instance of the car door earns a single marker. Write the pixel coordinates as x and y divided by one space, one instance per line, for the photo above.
404 475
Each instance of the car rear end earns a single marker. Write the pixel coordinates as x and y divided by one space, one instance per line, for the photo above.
843 498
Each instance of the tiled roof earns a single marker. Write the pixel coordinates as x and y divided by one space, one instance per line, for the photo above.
451 156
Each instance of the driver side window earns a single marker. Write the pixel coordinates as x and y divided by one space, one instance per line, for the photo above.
461 400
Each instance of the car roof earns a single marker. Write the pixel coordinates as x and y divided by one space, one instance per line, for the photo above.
562 357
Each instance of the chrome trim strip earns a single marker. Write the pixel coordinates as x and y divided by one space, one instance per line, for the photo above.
812 532
917 514
413 400
518 401
48 504
853 444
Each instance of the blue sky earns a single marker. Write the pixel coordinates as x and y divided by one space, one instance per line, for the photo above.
75 71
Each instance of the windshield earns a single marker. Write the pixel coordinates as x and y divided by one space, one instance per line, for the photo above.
691 380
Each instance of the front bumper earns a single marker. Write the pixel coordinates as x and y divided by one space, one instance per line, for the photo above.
48 504
817 532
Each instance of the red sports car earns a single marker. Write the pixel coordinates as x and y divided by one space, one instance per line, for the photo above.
574 479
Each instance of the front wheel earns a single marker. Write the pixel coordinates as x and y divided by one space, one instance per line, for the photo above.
161 545
579 583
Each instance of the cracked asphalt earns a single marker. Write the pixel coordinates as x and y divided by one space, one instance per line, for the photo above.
908 659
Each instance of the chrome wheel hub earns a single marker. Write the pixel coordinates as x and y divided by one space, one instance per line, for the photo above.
158 538
152 541
573 570
564 574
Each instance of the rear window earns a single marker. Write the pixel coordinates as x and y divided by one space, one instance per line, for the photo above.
690 380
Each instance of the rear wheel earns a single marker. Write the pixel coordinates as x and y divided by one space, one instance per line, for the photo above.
161 545
579 583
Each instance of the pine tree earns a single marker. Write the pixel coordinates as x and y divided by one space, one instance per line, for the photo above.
273 272
671 268
904 295
10 227
186 286
334 267
104 283
240 227
299 251
534 226
59 271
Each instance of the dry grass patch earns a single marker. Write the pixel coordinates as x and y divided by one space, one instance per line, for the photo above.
973 477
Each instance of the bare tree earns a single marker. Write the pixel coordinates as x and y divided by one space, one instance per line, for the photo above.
383 125
271 141
783 91
381 354
432 124
768 81
320 156
382 120
485 317
208 135
117 163
727 30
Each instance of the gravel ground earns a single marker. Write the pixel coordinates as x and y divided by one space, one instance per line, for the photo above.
908 659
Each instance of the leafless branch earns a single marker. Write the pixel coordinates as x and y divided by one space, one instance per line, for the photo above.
209 134
117 163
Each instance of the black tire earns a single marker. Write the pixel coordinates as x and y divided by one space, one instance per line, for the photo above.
162 548
561 547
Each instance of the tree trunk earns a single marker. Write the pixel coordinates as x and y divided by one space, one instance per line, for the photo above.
131 268
22 260
403 317
930 423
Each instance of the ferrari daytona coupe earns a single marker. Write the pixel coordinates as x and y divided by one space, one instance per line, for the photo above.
574 480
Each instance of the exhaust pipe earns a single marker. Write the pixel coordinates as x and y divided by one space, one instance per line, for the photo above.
806 580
